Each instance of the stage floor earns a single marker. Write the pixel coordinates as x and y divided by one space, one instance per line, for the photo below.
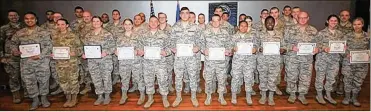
86 101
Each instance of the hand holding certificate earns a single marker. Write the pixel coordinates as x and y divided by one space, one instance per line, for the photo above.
337 46
93 52
125 53
360 56
216 53
184 50
306 48
244 48
152 52
29 50
61 52
271 48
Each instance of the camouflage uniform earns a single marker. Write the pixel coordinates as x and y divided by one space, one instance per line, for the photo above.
243 66
74 25
82 30
327 64
298 67
186 67
269 66
215 68
68 70
169 59
100 69
153 67
355 73
35 73
115 29
130 66
258 26
346 27
48 25
289 21
12 67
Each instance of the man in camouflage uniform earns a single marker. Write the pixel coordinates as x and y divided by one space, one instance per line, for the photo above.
243 65
105 19
152 68
299 67
186 32
279 27
355 73
79 19
35 69
84 28
164 26
287 19
49 24
216 37
115 27
67 69
11 63
269 66
100 69
345 26
294 13
259 26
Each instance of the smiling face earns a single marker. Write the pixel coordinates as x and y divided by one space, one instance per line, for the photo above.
162 18
215 21
87 16
303 18
357 25
184 15
61 25
116 15
344 16
287 11
57 16
218 11
13 17
274 13
332 22
243 27
137 20
269 24
128 25
30 20
201 19
153 23
97 23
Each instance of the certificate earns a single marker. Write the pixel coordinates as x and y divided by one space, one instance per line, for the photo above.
271 48
306 48
360 56
29 50
93 51
183 50
152 52
244 48
216 53
125 53
337 46
61 52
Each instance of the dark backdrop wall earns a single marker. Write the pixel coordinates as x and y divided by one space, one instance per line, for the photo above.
318 10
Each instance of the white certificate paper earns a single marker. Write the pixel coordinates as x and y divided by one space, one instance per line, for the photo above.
244 48
337 46
125 53
183 50
360 56
61 52
93 52
216 53
271 48
306 48
152 52
29 50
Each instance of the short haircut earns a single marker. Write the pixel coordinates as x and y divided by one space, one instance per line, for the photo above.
116 11
161 13
184 8
242 15
58 13
286 6
273 9
226 13
65 20
49 11
261 12
12 10
192 13
270 17
78 7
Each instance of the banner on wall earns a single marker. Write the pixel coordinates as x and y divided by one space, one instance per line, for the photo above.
229 7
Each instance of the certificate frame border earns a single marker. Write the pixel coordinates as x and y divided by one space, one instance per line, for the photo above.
245 54
28 44
341 52
176 54
124 59
315 44
351 52
144 55
208 57
69 57
93 45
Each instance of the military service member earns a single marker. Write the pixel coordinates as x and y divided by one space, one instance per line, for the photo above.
79 18
105 19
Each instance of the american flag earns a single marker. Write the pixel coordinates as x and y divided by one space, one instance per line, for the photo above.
152 10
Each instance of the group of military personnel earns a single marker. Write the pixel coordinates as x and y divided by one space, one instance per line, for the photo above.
41 73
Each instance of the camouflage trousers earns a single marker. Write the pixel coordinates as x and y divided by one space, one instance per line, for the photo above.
68 75
299 73
13 70
35 74
212 69
327 68
354 75
84 73
170 68
243 71
115 72
54 74
155 69
100 71
133 69
269 66
189 66
278 80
